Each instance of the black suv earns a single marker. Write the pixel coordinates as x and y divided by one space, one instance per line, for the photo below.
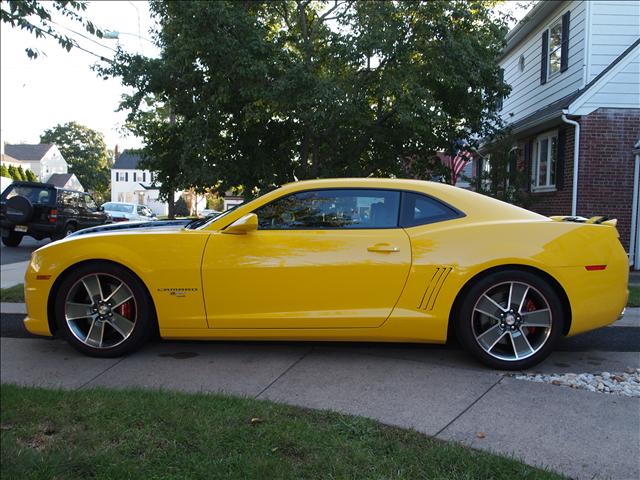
42 210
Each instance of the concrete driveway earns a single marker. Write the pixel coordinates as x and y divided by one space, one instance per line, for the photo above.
436 390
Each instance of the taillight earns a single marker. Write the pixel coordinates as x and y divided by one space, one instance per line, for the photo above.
53 215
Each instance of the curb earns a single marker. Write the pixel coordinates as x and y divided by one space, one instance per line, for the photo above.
14 308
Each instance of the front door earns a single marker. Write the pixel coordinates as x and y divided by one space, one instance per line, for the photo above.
320 259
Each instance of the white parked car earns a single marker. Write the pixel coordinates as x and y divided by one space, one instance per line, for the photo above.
125 212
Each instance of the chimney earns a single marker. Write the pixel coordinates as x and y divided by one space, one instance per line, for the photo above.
116 153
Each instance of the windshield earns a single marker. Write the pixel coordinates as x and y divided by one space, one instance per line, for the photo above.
118 207
202 222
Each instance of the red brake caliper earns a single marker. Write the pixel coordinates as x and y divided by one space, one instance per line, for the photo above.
125 310
530 307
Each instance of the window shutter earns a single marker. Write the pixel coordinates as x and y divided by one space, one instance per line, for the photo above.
564 51
117 177
528 148
560 157
543 59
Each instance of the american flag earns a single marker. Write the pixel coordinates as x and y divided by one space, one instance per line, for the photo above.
458 163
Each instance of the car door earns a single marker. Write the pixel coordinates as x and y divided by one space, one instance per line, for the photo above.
91 215
325 258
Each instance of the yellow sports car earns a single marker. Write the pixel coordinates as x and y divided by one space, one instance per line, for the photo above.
348 259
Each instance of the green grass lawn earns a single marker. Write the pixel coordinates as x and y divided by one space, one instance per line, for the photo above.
634 297
150 434
12 294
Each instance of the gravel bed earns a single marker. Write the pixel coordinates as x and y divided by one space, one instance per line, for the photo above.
626 383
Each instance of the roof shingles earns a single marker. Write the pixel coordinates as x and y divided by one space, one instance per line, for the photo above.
28 152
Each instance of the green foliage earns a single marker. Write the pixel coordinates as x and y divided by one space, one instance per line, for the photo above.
4 171
181 209
268 92
504 179
30 176
13 172
20 173
13 294
35 17
86 153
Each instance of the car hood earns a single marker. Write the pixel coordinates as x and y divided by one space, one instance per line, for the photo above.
142 225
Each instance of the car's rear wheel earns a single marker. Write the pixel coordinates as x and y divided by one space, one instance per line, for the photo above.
510 320
13 239
103 310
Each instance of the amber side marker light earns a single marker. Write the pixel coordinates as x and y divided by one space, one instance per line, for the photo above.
591 268
43 277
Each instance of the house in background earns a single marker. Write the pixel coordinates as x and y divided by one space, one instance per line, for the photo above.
43 159
66 180
130 183
574 108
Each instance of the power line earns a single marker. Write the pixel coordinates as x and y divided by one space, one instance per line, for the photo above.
75 44
85 36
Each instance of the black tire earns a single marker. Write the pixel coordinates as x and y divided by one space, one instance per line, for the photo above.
109 273
538 341
68 230
19 209
13 240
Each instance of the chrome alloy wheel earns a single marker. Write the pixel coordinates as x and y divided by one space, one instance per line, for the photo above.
100 310
511 321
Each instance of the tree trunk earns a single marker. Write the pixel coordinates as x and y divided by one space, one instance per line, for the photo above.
172 206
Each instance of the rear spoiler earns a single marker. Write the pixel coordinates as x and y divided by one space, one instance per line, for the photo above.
598 220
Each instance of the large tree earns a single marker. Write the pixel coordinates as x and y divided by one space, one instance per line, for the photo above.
268 92
36 17
86 153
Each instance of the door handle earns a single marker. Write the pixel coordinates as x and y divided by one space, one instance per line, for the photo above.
383 248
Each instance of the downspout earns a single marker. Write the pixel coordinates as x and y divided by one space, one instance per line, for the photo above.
634 214
576 161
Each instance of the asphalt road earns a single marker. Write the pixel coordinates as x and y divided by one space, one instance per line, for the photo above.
607 339
22 252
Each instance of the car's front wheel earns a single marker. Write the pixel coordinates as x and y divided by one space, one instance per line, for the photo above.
510 319
103 310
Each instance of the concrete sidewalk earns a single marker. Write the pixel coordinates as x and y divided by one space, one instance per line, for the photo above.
440 392
12 274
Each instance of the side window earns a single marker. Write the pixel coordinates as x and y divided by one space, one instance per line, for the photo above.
419 210
89 202
331 209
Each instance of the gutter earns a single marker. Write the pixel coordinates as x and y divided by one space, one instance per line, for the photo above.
576 161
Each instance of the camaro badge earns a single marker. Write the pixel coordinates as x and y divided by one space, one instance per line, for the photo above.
178 292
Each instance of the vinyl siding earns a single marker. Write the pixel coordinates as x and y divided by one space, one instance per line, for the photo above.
527 94
622 90
614 26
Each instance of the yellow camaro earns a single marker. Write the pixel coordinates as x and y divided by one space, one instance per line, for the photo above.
348 259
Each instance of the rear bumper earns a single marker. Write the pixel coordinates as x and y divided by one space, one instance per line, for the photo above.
35 229
597 298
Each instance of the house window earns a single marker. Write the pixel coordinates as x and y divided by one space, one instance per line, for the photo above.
545 159
134 176
555 46
555 49
144 177
117 180
126 176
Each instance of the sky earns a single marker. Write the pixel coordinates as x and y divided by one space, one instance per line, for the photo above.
60 86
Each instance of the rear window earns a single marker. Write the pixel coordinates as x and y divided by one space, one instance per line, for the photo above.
36 195
419 210
118 207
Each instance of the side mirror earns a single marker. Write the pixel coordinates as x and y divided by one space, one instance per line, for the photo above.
101 208
244 225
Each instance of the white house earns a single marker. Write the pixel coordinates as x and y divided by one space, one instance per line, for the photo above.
43 159
66 180
574 108
129 183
